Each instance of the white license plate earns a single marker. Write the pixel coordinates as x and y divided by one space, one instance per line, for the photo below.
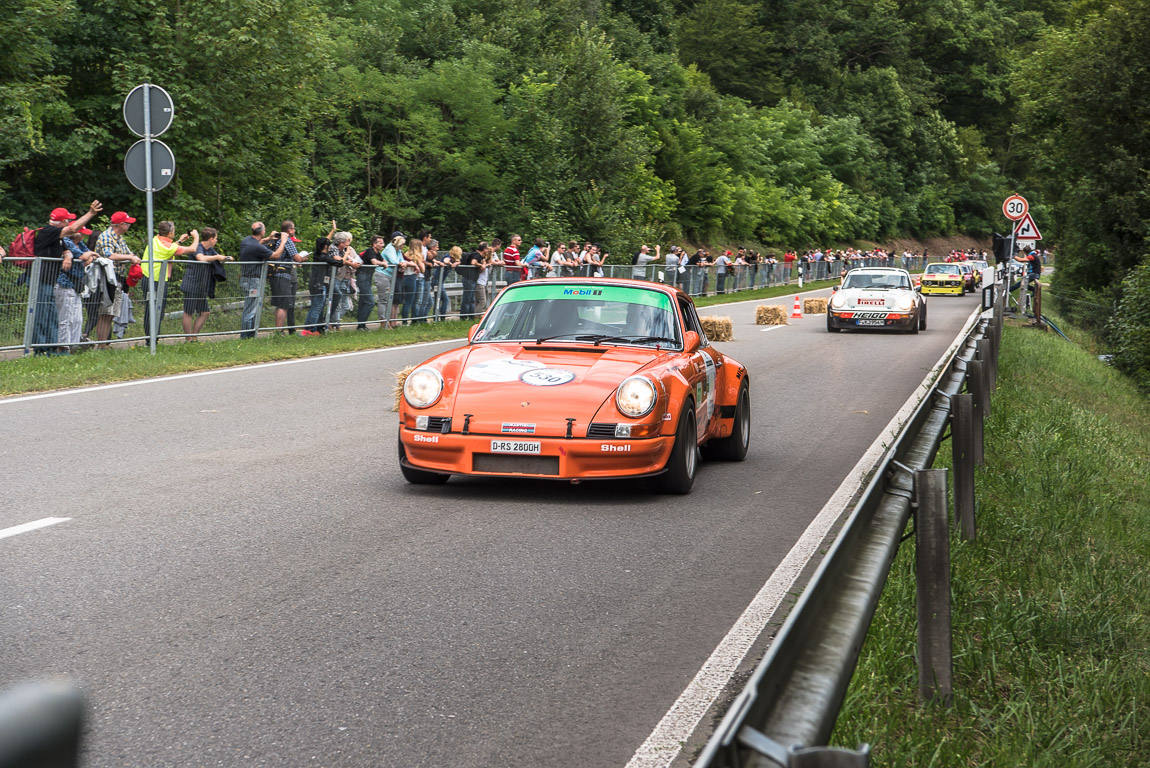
871 322
516 446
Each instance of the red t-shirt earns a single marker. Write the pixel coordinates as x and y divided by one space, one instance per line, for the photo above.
511 259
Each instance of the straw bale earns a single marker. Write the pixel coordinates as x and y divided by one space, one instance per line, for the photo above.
400 378
814 306
771 314
717 328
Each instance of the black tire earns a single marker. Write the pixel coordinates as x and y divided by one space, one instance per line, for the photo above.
683 463
734 447
922 318
418 476
913 327
831 327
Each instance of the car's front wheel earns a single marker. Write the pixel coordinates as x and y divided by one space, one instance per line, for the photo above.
922 317
831 327
683 462
418 476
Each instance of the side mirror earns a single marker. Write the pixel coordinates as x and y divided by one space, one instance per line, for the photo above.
834 289
918 288
471 332
690 341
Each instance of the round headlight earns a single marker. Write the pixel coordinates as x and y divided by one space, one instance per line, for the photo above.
838 300
636 396
422 387
904 303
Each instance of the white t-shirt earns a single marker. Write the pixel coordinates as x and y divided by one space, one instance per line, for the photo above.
638 272
557 260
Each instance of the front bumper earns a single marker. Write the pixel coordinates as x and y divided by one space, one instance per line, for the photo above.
860 319
953 288
558 458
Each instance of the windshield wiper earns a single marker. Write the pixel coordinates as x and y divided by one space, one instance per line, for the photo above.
635 339
557 336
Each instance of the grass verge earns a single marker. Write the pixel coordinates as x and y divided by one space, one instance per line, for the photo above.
1051 633
36 374
39 374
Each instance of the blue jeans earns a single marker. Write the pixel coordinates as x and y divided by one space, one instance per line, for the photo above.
366 300
250 290
407 287
422 298
467 303
315 310
440 295
340 300
45 325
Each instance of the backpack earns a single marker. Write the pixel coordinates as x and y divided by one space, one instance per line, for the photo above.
22 251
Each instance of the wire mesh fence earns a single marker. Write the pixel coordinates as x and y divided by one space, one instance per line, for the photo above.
196 299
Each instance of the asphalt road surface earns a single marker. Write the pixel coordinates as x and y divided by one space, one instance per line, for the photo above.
246 579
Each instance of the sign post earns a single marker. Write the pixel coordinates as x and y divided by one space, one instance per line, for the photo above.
148 112
1014 208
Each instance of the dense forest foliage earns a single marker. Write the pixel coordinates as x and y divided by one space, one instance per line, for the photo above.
782 122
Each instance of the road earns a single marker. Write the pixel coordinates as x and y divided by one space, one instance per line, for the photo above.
245 578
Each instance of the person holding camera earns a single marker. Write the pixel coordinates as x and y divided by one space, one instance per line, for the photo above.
199 284
254 251
163 248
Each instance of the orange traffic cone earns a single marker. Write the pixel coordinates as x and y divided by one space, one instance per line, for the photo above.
797 312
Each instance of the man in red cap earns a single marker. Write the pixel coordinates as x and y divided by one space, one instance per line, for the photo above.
69 284
112 246
48 247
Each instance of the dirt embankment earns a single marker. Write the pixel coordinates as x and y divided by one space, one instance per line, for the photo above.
939 246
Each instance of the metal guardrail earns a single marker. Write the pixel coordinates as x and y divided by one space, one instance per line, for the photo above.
787 711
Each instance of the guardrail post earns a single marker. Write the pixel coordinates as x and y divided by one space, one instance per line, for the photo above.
976 383
962 453
932 572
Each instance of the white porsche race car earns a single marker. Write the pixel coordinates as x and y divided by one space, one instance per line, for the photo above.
877 297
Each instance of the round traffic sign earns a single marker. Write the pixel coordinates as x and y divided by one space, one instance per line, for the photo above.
1015 207
163 165
162 109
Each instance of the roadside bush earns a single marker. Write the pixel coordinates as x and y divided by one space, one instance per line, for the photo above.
1130 329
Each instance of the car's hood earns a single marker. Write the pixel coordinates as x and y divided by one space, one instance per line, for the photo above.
516 389
871 298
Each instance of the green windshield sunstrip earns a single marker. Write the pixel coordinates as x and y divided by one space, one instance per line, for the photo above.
613 293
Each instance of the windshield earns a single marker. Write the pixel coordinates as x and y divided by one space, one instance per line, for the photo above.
609 314
878 281
942 269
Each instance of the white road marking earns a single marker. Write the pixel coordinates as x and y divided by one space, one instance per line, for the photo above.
216 371
772 328
18 529
667 739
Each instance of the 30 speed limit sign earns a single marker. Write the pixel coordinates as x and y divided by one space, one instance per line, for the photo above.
1015 207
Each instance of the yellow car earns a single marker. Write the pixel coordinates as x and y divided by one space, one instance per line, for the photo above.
943 278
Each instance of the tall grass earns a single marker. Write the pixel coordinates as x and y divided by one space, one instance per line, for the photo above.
1050 604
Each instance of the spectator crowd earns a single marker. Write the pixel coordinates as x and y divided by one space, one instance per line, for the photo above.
84 281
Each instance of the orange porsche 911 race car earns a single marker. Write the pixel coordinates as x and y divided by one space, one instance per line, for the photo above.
577 379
